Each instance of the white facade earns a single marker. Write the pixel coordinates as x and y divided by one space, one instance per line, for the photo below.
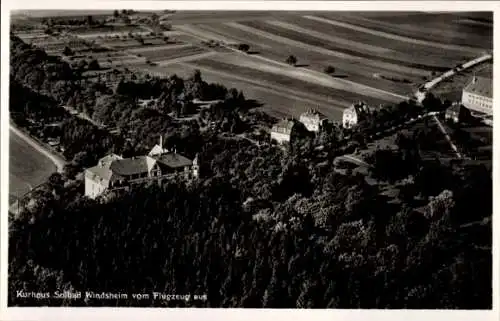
312 120
280 138
349 117
352 115
94 188
282 131
478 95
478 103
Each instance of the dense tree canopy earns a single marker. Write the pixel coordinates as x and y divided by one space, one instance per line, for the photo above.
262 226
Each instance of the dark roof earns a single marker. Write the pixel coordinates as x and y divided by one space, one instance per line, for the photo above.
480 86
173 160
130 166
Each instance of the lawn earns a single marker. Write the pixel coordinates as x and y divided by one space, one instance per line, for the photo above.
26 166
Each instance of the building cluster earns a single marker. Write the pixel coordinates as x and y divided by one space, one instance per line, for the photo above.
314 121
114 172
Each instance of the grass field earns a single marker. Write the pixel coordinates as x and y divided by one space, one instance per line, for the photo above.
26 166
166 53
438 27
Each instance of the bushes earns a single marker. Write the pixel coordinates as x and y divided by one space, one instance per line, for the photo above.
244 47
329 70
291 60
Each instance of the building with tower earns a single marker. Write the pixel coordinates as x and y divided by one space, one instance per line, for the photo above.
114 172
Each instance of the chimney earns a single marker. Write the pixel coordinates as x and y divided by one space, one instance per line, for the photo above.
161 141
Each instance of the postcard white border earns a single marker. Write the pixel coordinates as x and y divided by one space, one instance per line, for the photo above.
231 314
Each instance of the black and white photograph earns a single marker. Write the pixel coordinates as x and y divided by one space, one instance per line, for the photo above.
263 159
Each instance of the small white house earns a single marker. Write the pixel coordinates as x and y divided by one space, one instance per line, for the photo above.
281 132
354 114
313 120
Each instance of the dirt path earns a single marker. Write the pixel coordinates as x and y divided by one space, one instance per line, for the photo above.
186 58
443 130
161 47
59 162
395 37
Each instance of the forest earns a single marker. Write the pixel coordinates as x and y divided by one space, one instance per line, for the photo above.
262 227
309 239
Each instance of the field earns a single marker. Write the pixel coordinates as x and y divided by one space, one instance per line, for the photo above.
27 167
377 57
167 52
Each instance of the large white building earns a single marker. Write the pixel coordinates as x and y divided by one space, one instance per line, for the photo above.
477 96
354 114
313 120
114 172
282 131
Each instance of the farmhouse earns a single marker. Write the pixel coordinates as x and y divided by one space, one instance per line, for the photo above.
282 131
354 114
115 172
313 120
477 95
